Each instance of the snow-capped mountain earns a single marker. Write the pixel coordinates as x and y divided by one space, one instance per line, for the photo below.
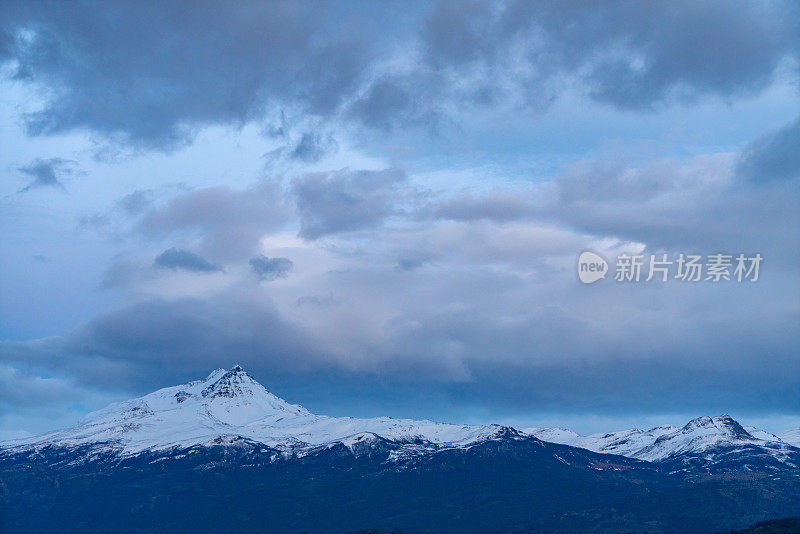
231 408
698 435
705 440
230 404
182 458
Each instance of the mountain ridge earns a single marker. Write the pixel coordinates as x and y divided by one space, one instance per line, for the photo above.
231 407
703 437
231 403
223 454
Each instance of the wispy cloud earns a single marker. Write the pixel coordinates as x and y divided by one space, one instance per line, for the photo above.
268 269
46 172
175 258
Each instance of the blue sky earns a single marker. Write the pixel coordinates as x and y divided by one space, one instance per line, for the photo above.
377 208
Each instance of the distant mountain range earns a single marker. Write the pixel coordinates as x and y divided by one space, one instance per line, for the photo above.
711 443
224 454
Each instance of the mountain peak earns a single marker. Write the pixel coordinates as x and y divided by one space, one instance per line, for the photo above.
724 424
731 426
703 421
236 389
233 383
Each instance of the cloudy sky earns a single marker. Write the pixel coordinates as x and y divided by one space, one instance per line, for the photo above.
376 208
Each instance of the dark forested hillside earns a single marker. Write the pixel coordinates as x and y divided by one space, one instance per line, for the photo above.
500 486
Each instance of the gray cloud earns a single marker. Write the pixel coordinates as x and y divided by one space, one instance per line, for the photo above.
508 347
410 263
268 269
774 157
45 173
635 54
228 221
175 258
412 98
502 319
502 322
137 202
682 205
686 49
148 342
631 55
495 318
22 389
322 301
119 273
344 201
330 60
311 147
94 220
165 70
695 204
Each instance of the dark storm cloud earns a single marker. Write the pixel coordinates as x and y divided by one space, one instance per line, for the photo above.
195 333
175 258
635 53
688 48
385 101
154 341
774 157
45 173
268 269
344 201
414 98
154 72
632 55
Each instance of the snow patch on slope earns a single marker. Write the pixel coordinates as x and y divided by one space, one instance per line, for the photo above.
623 442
